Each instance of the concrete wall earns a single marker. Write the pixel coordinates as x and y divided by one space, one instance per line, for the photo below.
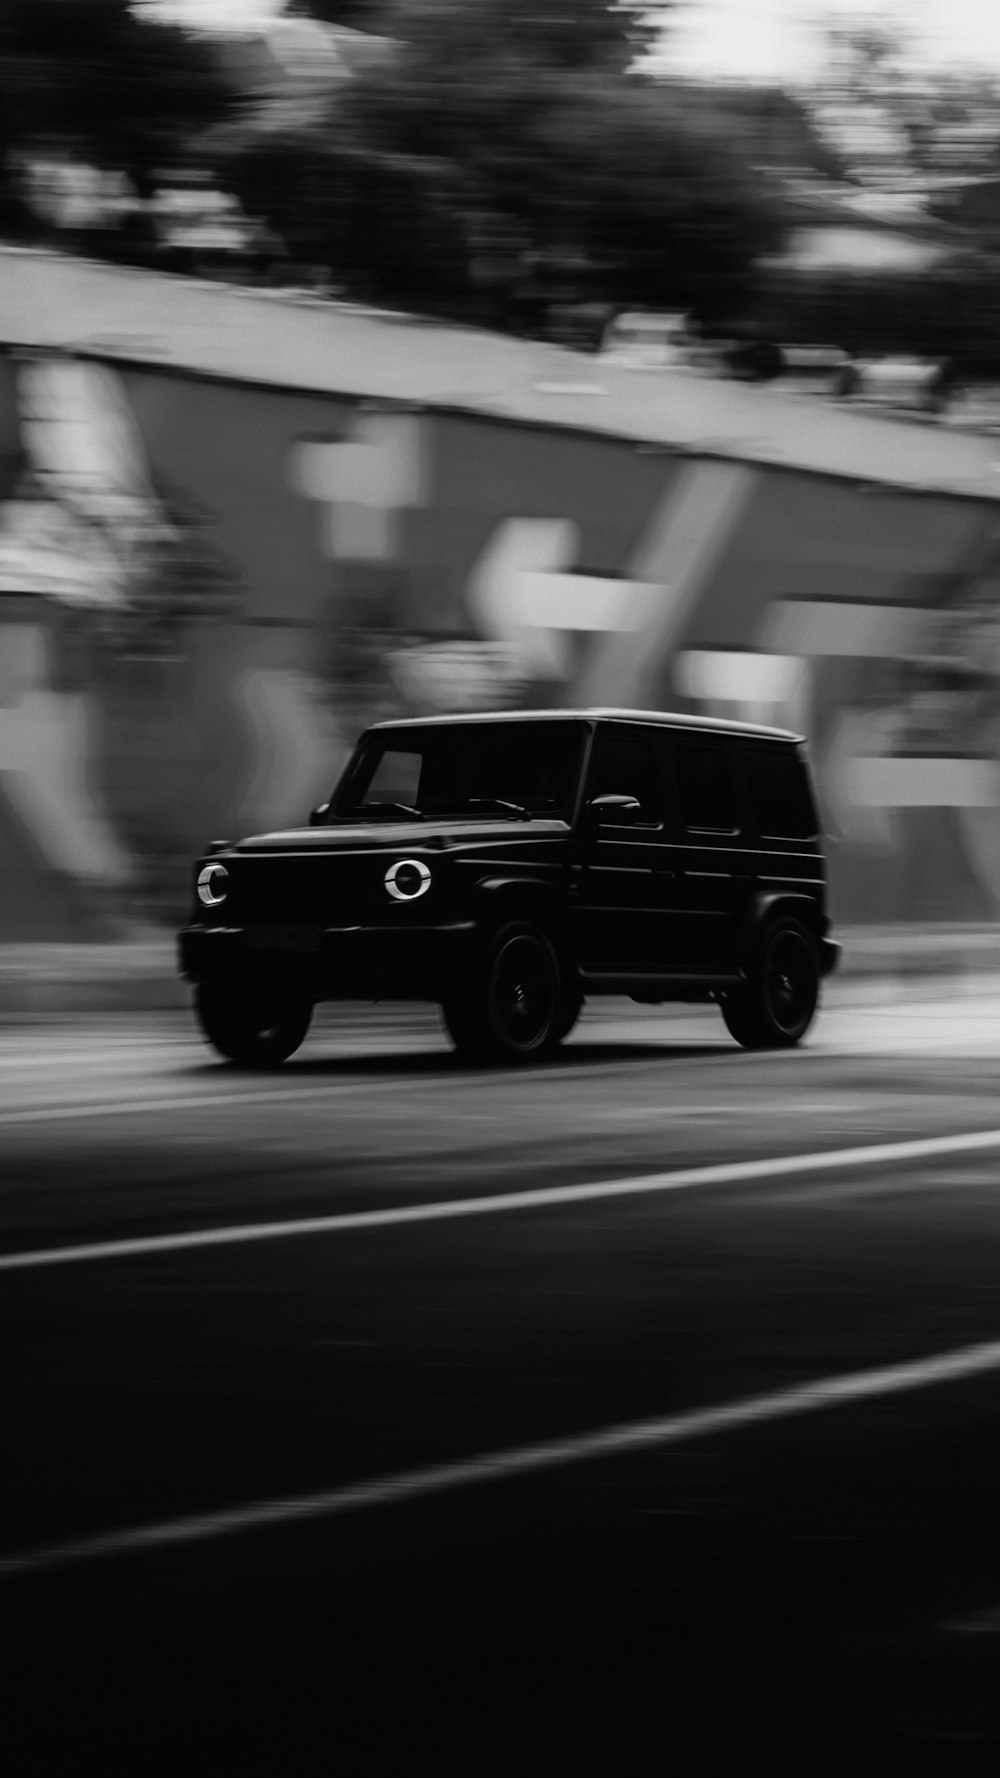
330 562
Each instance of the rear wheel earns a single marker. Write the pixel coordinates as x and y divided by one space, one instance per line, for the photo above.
257 1027
777 1005
513 1007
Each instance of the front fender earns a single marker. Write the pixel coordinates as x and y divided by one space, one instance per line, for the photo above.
501 897
493 889
806 908
770 902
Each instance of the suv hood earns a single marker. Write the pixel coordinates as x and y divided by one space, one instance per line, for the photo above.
390 836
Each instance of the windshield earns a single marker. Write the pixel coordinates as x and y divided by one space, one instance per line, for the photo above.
504 769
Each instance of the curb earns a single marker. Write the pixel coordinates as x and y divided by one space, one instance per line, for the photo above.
123 977
941 949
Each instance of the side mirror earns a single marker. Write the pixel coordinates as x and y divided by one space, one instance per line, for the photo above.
612 810
318 816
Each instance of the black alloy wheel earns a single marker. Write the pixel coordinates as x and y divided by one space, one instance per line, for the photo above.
776 1007
513 1009
256 1027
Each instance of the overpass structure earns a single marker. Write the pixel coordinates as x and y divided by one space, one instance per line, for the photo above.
237 525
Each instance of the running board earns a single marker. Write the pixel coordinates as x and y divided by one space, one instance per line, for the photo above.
676 986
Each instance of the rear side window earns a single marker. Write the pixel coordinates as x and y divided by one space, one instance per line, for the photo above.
706 788
624 765
780 796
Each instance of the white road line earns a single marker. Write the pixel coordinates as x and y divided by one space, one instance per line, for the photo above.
521 1460
500 1203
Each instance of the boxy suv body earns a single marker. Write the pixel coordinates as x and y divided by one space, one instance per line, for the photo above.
510 866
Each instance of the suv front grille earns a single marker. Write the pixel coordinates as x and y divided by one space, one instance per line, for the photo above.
306 891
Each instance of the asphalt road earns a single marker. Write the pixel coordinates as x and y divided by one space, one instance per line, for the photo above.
642 1407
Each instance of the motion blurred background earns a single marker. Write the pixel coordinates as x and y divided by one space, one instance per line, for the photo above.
374 357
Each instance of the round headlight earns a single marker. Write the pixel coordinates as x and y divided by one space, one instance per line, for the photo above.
407 879
212 885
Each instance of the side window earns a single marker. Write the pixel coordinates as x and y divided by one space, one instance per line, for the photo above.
396 778
623 765
706 788
780 796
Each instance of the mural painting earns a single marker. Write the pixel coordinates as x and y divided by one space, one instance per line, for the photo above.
208 589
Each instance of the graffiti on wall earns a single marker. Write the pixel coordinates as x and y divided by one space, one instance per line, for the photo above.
73 531
100 570
533 618
902 706
364 485
896 695
87 524
353 563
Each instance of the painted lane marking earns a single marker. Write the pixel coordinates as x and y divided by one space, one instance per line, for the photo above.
521 1460
448 1210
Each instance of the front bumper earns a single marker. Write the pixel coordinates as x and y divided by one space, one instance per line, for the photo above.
830 953
332 963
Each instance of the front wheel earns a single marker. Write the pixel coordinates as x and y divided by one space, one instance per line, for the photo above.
512 1008
256 1027
569 1012
777 1004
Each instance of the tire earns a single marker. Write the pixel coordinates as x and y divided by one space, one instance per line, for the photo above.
513 1007
572 1007
256 1027
776 1007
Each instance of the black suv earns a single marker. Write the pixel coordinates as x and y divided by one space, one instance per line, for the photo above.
508 867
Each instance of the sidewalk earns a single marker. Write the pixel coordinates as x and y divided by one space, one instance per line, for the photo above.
140 976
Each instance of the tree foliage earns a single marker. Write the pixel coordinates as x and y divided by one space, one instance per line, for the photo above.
358 15
494 159
949 312
773 131
896 117
103 80
563 33
508 156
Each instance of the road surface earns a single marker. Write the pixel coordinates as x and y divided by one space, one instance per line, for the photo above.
644 1406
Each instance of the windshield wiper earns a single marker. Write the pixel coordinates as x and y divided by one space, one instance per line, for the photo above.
391 809
497 802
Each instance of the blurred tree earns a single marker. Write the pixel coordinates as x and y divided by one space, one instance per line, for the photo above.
507 158
103 80
906 129
564 33
661 211
772 130
359 15
897 118
949 312
385 227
